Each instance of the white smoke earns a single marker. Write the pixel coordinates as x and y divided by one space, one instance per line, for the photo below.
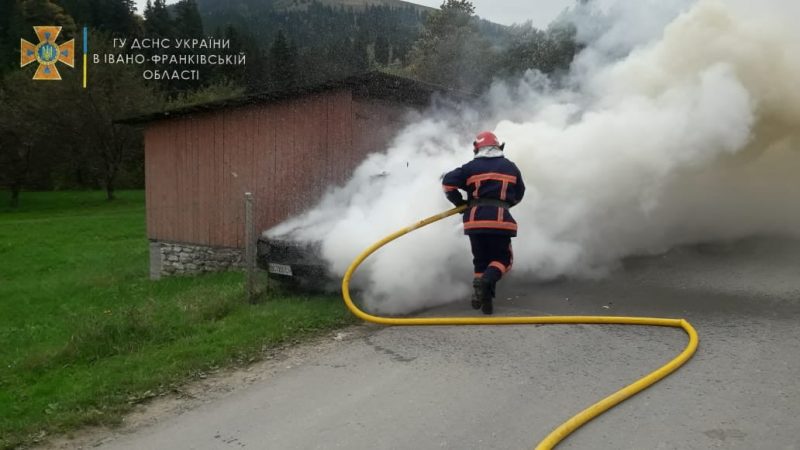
689 132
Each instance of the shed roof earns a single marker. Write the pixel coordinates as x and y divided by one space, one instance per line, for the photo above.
371 84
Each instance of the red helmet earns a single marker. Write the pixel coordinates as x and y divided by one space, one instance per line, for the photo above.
486 139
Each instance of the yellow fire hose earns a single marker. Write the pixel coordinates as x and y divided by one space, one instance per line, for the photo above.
563 430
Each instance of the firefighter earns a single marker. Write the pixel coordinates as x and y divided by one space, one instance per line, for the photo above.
493 185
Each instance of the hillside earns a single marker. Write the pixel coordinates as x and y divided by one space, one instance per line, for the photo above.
331 37
245 12
255 6
317 23
308 41
356 5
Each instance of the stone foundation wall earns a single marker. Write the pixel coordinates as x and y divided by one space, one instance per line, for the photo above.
171 259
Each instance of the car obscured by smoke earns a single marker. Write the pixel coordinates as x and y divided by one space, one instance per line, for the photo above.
298 264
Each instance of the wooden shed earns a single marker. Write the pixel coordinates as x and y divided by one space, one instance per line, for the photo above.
286 148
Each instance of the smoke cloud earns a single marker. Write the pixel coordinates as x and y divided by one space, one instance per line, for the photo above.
681 124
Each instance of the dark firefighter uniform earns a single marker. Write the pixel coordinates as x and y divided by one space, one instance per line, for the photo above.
493 185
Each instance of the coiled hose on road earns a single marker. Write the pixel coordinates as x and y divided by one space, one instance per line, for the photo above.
563 430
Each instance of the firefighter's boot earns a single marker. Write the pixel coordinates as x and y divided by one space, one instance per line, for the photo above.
476 293
486 296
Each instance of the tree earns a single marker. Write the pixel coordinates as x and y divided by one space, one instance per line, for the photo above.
43 147
45 12
549 52
112 146
32 138
157 20
113 16
11 29
382 50
451 51
360 59
15 161
226 73
282 63
27 147
188 22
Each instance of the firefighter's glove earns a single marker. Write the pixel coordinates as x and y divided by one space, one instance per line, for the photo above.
455 198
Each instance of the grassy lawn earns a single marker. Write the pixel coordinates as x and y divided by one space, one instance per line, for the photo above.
85 333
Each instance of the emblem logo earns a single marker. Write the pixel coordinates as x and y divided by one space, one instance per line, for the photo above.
47 53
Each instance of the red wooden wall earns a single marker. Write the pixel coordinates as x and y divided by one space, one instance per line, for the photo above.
286 153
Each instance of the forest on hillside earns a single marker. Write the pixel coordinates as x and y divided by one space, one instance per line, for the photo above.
55 135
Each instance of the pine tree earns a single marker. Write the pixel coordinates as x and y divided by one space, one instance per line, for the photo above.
188 22
360 52
382 50
115 16
282 63
11 29
451 50
157 20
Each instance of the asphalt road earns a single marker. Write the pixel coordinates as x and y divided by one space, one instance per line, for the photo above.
507 387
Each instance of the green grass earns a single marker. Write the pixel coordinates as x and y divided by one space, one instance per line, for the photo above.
85 334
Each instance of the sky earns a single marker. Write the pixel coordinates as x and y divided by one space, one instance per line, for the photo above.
505 12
